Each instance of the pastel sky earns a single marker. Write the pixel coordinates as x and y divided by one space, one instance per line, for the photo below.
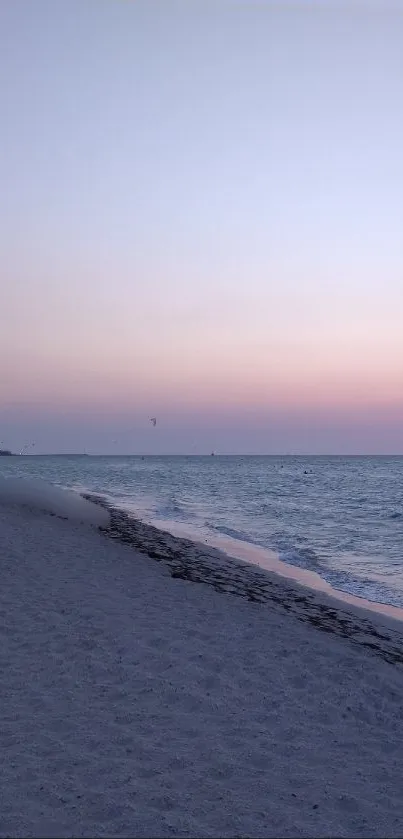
201 219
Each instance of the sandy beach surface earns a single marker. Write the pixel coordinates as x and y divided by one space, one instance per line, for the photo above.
171 695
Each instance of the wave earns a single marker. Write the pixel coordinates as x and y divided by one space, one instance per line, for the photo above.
175 509
231 532
303 558
369 589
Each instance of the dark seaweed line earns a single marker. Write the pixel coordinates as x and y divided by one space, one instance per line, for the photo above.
187 561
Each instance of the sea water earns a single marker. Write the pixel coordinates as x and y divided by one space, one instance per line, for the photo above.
341 517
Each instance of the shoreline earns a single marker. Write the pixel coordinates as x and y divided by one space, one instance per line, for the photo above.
346 560
253 555
269 561
380 631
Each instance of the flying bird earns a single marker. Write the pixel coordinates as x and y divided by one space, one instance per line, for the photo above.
154 421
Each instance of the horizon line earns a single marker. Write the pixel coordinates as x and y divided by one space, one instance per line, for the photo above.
215 454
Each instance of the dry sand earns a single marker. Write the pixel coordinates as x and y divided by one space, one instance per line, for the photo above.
137 702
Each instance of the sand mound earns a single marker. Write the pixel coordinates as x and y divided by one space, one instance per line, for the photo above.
39 495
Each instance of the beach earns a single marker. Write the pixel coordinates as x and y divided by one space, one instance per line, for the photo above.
150 691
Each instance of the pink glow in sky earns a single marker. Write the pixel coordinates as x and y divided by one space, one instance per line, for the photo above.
200 218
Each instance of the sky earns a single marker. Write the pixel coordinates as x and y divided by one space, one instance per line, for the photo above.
201 215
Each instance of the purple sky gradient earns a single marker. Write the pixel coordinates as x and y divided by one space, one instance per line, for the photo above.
200 219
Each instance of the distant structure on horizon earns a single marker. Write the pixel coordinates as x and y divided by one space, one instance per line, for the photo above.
6 453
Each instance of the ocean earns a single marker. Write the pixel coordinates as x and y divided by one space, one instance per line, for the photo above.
341 517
